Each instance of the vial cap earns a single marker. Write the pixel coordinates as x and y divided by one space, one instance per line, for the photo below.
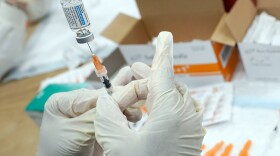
84 38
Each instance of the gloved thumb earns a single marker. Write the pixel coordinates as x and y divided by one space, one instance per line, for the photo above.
162 77
109 119
161 80
72 104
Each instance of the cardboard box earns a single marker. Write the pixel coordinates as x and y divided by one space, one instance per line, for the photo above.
230 3
261 61
204 51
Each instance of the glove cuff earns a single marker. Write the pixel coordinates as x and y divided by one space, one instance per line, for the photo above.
12 15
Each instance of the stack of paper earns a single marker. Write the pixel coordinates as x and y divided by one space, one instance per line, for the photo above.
264 30
78 75
216 101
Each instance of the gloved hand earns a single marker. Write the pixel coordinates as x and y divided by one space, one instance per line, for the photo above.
12 34
35 9
174 123
13 19
67 127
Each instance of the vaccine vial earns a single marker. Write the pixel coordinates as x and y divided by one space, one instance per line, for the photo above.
78 20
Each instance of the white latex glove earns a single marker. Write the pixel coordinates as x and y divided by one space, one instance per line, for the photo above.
12 34
67 127
35 9
174 124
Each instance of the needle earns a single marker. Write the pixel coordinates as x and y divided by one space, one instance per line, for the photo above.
90 49
271 138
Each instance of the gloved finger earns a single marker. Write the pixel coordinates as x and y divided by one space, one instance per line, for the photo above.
183 90
123 77
84 124
74 103
197 106
128 95
133 114
137 71
110 123
140 70
181 87
98 151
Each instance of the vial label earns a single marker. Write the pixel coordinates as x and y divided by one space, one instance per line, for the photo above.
76 16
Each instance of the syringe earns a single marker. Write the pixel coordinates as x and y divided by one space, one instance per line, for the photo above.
79 23
270 140
101 72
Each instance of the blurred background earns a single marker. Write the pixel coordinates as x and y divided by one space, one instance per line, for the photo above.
226 51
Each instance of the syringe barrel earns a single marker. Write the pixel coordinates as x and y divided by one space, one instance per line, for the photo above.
78 20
